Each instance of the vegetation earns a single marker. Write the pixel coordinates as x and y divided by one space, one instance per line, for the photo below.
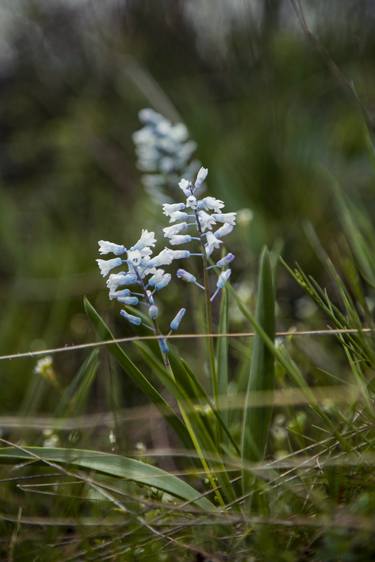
252 436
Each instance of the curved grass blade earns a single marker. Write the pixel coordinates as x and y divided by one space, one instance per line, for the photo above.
256 419
222 351
113 465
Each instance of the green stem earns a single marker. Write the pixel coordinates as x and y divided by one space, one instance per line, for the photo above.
208 315
210 475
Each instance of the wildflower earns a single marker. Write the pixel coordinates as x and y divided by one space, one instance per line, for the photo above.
178 216
142 270
223 262
174 229
130 301
212 243
226 218
135 320
188 277
111 248
206 216
116 280
164 151
210 204
153 312
167 256
224 230
159 279
201 177
222 280
43 365
175 324
170 208
191 202
106 266
185 186
147 240
177 239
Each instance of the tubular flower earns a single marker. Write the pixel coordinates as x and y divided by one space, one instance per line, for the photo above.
164 153
141 277
211 224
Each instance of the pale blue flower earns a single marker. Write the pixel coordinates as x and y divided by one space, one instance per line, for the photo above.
165 152
147 240
178 216
224 230
175 324
174 229
116 280
178 239
130 301
167 256
210 204
222 280
188 277
135 320
170 208
201 177
111 248
106 266
212 243
159 279
226 260
226 218
153 312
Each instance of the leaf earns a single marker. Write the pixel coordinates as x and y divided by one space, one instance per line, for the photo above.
256 419
113 465
136 374
222 351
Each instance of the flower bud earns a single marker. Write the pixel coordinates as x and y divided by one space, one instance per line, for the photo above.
175 324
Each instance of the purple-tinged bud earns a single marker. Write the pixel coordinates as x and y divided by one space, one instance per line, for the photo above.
188 277
163 345
131 301
226 260
135 320
223 278
175 324
153 312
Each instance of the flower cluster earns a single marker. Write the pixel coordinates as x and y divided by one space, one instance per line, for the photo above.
164 152
142 277
205 216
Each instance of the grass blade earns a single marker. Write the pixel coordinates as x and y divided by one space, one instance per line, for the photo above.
256 420
113 465
136 375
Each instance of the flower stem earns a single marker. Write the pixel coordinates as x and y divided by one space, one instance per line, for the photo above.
208 314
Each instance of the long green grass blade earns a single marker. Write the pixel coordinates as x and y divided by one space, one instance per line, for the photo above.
136 374
256 419
113 465
222 351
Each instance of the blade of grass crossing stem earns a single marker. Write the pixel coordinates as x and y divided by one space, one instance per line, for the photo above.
113 465
222 352
256 419
136 374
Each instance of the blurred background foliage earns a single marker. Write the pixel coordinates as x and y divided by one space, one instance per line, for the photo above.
277 123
